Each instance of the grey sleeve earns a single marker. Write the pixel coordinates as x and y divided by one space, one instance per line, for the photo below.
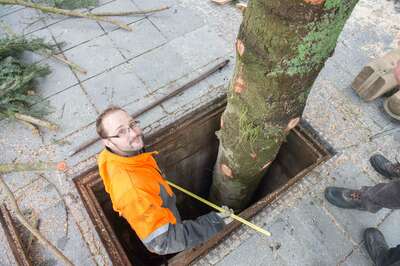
180 236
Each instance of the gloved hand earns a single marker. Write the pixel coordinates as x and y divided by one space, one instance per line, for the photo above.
226 214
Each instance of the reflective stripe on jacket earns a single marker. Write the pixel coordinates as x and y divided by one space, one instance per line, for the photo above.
142 196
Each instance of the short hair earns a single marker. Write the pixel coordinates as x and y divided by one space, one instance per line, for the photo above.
99 121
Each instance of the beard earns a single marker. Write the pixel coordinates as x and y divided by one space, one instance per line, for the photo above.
137 143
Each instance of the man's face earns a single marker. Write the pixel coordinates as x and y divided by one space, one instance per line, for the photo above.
128 135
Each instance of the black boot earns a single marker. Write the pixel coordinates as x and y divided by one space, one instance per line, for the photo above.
384 166
376 245
344 198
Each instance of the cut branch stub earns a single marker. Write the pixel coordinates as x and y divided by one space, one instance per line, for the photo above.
226 170
314 2
266 165
239 85
292 124
221 122
239 47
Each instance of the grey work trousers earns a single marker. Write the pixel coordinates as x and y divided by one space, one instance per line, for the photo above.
384 195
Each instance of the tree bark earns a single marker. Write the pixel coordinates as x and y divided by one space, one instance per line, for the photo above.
281 47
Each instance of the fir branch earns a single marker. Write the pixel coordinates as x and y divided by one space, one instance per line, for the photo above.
64 12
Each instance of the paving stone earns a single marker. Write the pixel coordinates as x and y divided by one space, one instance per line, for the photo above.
351 58
119 86
358 258
72 111
38 196
19 180
223 76
60 78
195 92
7 9
390 229
118 6
306 223
74 31
150 4
334 126
53 227
254 251
18 140
150 67
354 222
335 74
143 37
59 149
23 21
225 19
170 22
196 51
381 15
94 56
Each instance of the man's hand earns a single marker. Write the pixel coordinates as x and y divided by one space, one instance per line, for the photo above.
397 72
226 214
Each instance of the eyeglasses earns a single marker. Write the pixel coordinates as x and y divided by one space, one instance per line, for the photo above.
124 131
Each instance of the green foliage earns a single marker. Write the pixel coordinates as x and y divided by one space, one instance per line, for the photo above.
68 4
13 46
16 78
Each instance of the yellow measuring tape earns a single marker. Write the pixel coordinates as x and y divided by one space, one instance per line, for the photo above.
238 218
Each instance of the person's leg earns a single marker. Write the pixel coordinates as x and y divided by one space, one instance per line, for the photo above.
393 257
383 195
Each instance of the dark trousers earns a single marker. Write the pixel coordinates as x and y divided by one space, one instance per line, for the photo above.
384 195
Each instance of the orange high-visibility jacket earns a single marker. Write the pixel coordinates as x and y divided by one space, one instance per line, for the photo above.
141 195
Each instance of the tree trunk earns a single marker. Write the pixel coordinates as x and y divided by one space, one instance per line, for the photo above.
281 47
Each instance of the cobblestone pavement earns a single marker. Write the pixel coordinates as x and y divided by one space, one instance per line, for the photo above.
129 69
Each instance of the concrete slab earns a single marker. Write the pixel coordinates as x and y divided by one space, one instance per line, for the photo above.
169 22
7 9
201 46
143 38
60 78
118 6
254 252
59 150
390 229
74 31
67 239
150 4
37 196
23 21
357 258
19 180
119 86
95 56
150 67
72 110
354 222
18 140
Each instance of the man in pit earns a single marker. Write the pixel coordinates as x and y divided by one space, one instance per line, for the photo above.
139 192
